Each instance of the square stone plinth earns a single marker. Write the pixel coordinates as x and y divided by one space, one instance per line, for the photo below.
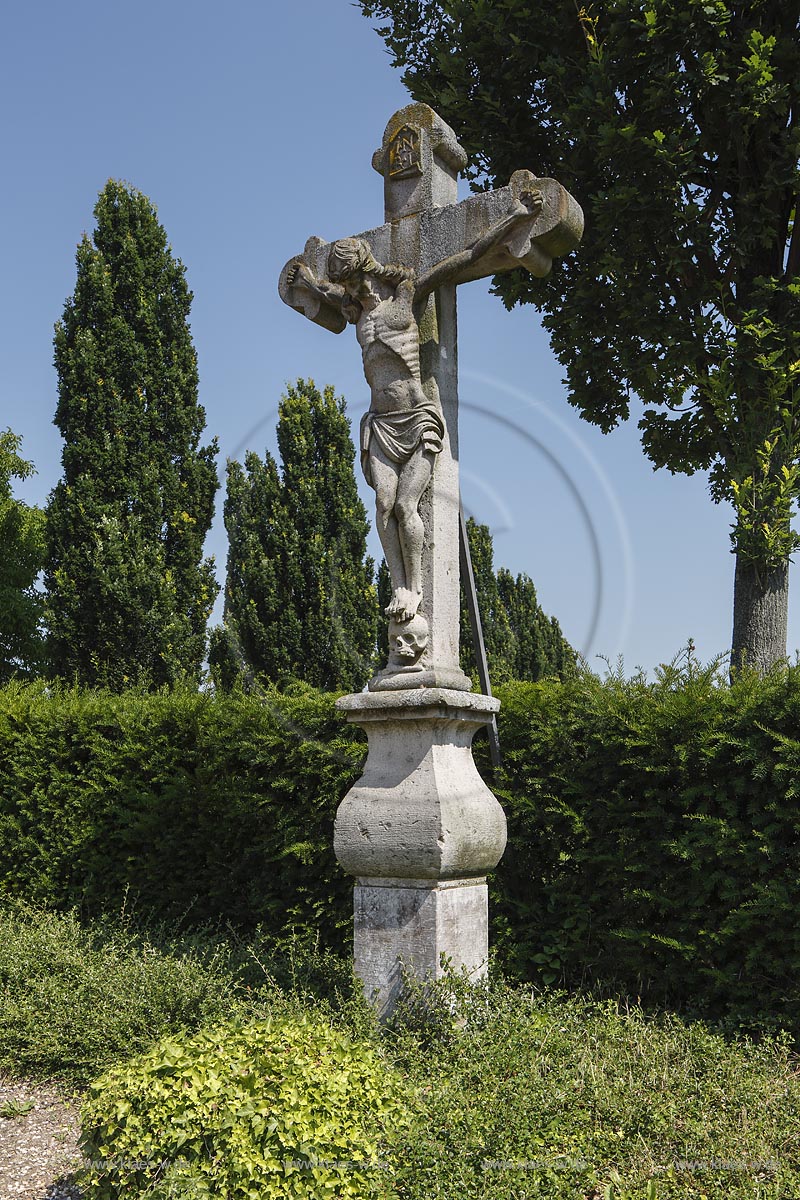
406 925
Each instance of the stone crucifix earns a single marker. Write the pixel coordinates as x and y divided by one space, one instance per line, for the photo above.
397 284
420 829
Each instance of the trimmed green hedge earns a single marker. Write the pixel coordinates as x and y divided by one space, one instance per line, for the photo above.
654 828
654 840
178 804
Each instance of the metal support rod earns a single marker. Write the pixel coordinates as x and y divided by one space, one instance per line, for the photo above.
468 576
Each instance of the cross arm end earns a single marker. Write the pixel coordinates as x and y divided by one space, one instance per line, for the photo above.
558 228
299 286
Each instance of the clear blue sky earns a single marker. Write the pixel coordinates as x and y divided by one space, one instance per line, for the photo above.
251 126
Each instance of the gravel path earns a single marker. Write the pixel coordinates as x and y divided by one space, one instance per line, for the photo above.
39 1149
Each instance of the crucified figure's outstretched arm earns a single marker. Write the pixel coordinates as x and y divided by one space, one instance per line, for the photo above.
527 208
302 276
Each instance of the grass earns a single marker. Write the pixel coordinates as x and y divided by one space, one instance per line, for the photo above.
554 1096
75 1000
516 1094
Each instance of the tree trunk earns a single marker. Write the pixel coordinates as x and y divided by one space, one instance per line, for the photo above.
760 610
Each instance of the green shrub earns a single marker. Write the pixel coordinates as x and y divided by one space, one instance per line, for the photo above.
505 1093
273 1108
474 1093
654 827
73 1001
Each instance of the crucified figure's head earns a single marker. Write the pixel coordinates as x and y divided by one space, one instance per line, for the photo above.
351 258
352 264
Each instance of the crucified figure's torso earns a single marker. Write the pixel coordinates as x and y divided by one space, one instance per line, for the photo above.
390 353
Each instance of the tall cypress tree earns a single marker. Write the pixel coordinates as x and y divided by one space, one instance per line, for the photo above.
128 589
261 633
383 586
299 596
521 641
498 636
21 555
541 648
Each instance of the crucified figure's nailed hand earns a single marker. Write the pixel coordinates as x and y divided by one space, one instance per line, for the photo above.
404 429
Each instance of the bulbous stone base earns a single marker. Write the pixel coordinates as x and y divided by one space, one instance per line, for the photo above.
420 810
419 830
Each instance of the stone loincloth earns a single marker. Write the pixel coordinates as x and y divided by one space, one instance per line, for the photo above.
398 434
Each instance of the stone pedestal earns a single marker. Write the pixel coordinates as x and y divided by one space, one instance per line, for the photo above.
417 926
419 831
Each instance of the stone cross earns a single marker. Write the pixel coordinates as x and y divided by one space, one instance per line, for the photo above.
420 829
397 284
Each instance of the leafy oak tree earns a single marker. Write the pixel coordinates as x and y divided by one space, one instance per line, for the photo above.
21 557
128 590
677 127
299 597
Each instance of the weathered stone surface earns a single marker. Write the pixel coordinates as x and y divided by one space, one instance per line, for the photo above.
399 925
420 810
396 284
420 160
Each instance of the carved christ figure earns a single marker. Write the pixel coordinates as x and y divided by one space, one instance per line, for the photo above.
402 432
